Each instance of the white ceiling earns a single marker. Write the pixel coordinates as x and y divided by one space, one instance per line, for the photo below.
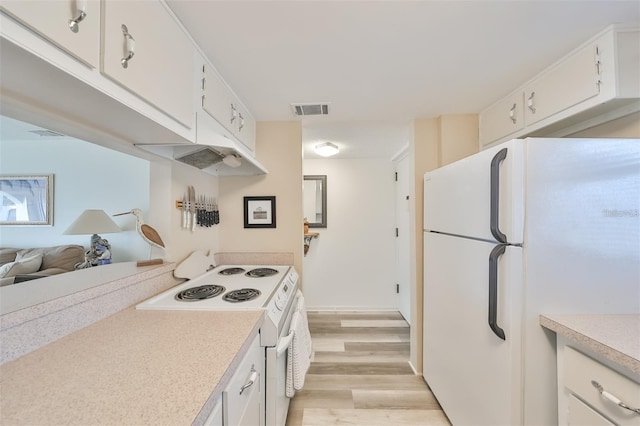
382 64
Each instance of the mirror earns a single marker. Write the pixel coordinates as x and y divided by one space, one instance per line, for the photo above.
314 195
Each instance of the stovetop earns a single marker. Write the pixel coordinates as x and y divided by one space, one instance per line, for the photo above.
243 280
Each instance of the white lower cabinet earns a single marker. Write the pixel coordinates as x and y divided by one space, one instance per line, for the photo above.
215 418
579 413
591 393
243 399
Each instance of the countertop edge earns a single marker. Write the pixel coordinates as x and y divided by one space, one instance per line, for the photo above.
598 347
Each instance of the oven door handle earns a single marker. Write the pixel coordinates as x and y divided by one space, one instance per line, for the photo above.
283 344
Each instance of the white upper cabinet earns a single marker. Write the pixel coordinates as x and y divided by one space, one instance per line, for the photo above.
72 25
503 118
572 81
246 128
595 83
217 99
146 51
220 102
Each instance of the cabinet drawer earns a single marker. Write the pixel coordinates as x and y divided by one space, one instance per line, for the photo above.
581 370
580 414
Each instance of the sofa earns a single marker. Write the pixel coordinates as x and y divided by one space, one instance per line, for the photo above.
18 265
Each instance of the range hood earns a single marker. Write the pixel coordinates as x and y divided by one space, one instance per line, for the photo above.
214 151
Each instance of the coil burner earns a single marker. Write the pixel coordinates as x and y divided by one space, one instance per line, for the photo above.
202 292
261 272
241 295
231 271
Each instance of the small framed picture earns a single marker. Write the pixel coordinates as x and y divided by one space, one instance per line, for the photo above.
26 200
260 212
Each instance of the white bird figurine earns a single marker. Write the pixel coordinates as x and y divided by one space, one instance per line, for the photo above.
147 233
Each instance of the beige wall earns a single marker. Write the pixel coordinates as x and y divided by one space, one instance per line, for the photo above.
624 127
279 149
457 136
435 142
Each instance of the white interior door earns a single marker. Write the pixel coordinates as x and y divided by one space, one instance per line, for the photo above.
474 374
403 264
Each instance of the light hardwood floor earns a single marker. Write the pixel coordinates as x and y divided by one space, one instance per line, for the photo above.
360 375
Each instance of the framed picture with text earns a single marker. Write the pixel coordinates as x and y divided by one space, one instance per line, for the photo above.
260 212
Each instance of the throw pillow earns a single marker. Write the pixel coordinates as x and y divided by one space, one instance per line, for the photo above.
27 265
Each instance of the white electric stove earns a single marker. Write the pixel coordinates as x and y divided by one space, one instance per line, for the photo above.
247 287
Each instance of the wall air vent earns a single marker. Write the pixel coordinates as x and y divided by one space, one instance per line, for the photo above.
310 109
47 133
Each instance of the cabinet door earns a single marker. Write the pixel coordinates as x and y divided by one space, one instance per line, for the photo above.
217 99
568 83
246 130
146 51
502 119
54 20
242 399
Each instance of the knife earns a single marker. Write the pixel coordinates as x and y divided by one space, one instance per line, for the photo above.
192 207
184 211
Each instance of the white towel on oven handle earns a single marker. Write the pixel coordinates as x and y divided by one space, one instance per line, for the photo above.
300 349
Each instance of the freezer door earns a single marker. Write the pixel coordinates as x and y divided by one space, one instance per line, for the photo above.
474 374
480 196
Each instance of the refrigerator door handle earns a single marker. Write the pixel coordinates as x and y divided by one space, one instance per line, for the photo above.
493 289
495 195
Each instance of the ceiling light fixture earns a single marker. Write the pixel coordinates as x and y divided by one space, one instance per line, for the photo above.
326 149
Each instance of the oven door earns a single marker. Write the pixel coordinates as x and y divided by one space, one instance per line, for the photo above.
277 403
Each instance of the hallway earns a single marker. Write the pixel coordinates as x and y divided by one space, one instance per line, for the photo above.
360 374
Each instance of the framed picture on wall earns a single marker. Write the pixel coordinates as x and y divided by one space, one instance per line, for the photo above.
26 200
260 212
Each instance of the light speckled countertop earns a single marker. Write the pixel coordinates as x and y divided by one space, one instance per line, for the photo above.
134 367
615 337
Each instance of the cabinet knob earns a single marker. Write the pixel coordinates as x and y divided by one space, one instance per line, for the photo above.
530 103
131 45
81 6
234 113
512 114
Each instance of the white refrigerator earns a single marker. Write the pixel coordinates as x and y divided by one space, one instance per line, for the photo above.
525 228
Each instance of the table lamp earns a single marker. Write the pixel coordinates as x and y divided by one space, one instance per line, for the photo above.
92 222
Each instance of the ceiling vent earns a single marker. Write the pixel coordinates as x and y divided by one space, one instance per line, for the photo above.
310 109
47 133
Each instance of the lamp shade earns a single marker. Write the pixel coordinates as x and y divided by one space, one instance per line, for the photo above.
92 222
326 149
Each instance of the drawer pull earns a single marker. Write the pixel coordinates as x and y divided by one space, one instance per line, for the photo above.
252 379
612 398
